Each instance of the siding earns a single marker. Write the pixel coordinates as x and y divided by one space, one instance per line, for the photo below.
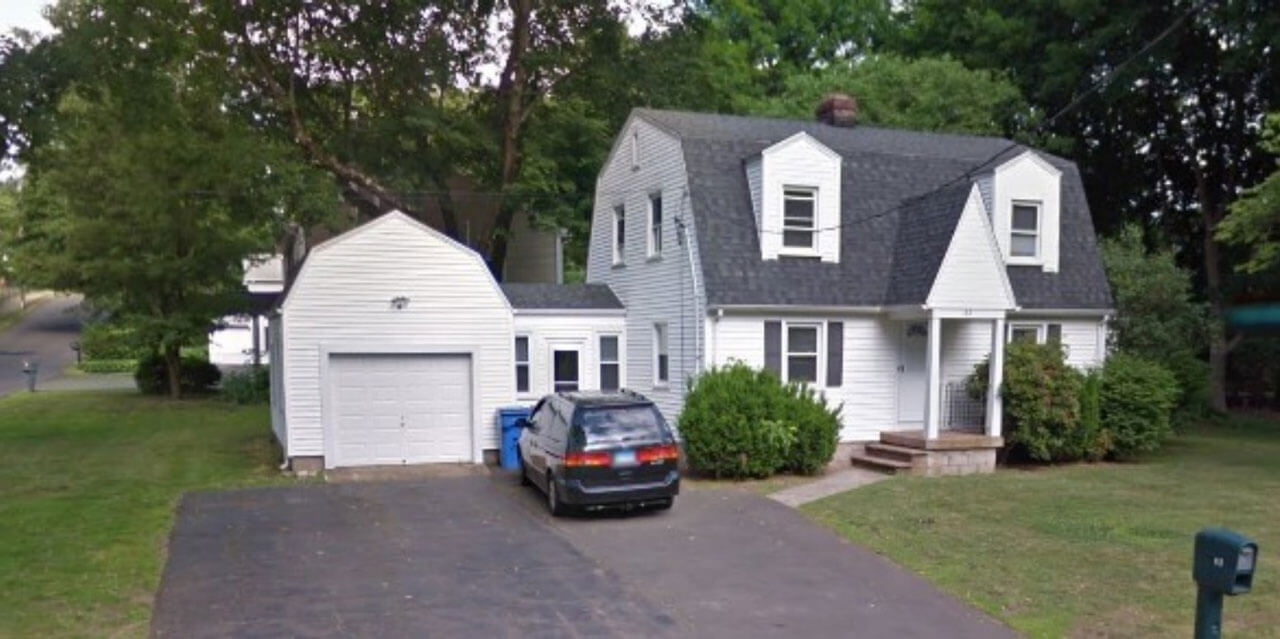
341 299
800 161
278 422
1028 177
1085 338
653 290
972 274
754 184
964 344
869 392
580 331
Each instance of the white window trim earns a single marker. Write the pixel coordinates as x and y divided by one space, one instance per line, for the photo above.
1042 333
531 392
619 214
805 251
552 347
653 345
1038 258
820 368
622 368
653 241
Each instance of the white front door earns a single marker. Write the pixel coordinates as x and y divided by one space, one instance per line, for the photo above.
911 371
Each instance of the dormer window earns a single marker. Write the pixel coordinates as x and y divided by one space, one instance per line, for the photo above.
1024 231
799 218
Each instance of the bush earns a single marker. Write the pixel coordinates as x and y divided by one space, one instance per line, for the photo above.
103 341
249 386
816 428
1041 401
196 375
1137 398
1095 442
109 365
731 424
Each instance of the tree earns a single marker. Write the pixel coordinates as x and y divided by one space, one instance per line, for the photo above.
930 94
1170 140
1254 220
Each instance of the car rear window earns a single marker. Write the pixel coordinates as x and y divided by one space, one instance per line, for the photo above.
608 427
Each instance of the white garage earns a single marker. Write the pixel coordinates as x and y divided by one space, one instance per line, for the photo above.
407 408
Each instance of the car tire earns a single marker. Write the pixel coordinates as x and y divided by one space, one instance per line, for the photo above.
556 507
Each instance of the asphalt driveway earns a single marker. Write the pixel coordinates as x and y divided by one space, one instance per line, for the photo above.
477 556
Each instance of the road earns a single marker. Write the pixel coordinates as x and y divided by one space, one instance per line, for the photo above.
44 336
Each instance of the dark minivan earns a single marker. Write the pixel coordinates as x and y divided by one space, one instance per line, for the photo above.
600 449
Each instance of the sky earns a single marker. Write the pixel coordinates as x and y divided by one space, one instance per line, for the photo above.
23 14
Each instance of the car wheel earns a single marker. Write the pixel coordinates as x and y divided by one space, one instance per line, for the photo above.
554 505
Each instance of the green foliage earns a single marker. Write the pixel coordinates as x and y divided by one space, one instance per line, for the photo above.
1254 221
195 375
248 386
107 341
930 94
109 366
1094 441
739 422
1137 399
1156 316
1041 401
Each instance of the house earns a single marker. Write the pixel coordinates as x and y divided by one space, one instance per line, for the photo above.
876 265
240 339
395 345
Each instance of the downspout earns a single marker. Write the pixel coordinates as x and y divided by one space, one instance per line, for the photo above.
693 279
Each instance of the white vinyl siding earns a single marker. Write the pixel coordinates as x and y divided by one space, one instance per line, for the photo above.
667 290
799 163
523 380
342 300
567 330
1083 338
279 424
972 274
1028 178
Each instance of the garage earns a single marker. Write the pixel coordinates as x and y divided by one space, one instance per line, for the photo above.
400 408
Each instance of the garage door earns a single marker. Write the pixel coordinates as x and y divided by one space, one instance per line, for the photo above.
400 409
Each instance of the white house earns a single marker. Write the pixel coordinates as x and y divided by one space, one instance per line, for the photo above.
239 339
396 346
876 265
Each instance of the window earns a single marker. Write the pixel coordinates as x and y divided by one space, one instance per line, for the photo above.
1024 234
610 366
661 360
564 365
799 218
619 234
1053 334
655 225
802 353
522 364
1024 333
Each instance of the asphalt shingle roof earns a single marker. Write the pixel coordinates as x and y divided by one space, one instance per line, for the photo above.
561 296
881 170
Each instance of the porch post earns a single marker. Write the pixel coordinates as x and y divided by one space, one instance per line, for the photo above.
995 405
933 368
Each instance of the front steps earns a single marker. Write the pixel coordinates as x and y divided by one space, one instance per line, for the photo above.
909 452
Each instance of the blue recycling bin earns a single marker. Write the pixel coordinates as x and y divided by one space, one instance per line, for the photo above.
508 420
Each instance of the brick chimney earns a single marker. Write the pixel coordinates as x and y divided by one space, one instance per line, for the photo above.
838 109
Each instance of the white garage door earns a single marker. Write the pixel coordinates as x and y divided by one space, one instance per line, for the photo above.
400 409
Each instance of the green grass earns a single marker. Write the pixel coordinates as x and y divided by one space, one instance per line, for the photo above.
1088 549
88 486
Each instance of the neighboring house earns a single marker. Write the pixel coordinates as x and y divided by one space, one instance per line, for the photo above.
396 346
240 339
876 265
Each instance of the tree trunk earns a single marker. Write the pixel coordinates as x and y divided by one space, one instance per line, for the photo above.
1219 344
173 369
511 87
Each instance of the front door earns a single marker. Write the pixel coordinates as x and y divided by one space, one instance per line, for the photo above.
564 370
911 371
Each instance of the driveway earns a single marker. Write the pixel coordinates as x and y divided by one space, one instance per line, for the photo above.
44 335
476 556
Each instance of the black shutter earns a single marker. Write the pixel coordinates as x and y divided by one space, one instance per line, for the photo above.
835 354
773 347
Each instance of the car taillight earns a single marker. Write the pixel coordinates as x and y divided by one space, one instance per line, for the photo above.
659 453
597 458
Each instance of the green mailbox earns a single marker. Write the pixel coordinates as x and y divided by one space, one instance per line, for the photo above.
1223 565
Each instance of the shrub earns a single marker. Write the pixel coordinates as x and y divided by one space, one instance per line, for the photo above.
1095 442
109 365
1137 397
104 341
730 423
249 386
196 375
816 427
1041 401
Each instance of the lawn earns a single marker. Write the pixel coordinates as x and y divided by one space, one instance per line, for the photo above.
1088 549
88 485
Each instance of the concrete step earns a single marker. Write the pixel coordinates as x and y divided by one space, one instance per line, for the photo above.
897 453
882 464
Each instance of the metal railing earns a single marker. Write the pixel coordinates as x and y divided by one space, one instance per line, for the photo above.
959 410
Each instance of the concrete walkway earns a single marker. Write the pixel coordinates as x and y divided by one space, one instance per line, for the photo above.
830 484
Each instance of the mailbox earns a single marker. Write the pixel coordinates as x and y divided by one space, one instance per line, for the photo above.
1224 561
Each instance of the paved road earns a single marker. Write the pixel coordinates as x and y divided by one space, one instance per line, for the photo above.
477 556
44 335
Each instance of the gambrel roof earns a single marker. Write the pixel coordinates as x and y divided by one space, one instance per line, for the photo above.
889 177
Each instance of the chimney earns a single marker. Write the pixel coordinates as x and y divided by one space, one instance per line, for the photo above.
838 109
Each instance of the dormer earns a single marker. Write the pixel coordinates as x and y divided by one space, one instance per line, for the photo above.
795 195
1026 194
